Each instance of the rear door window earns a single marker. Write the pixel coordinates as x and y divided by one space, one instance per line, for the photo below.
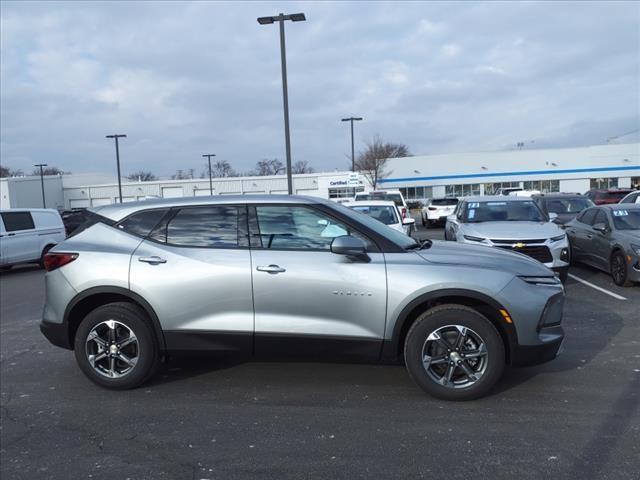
601 217
207 226
588 216
16 221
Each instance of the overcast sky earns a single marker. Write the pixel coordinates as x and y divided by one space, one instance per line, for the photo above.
182 79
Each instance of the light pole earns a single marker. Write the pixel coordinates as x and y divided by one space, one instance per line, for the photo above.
44 203
294 17
353 152
116 137
209 155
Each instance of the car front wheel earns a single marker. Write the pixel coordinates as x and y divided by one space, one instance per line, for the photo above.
619 270
454 352
115 346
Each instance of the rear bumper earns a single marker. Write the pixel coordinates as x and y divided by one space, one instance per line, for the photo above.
56 333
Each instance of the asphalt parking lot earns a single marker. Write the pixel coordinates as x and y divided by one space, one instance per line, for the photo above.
575 417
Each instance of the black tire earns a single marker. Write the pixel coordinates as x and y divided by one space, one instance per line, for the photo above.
44 252
146 349
6 268
424 223
445 317
563 274
618 269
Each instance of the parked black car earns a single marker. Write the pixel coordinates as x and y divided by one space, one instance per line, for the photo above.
73 218
565 205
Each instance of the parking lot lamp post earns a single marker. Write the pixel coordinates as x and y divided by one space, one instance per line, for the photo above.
116 137
281 18
353 152
208 156
44 203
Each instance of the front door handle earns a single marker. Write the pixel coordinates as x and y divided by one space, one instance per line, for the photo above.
153 260
271 269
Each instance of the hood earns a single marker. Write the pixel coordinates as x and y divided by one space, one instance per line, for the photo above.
453 253
628 236
512 230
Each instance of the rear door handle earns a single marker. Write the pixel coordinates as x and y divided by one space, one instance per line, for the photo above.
271 269
153 260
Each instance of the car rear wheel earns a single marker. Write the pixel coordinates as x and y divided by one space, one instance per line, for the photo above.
454 353
619 270
115 346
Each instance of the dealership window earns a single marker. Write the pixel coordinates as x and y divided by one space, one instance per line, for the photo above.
462 190
416 193
492 188
344 192
604 183
635 182
544 186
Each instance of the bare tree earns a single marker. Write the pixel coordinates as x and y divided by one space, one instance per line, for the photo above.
269 167
301 166
220 169
182 175
372 161
142 175
4 171
47 171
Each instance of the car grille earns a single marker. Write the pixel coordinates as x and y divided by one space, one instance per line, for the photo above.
540 253
500 241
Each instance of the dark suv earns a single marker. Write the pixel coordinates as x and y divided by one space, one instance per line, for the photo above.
606 196
565 205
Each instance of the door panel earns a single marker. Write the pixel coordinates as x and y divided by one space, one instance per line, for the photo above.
319 294
196 289
307 299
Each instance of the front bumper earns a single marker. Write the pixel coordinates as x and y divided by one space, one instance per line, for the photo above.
550 346
536 311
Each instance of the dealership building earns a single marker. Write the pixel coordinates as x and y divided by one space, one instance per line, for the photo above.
418 177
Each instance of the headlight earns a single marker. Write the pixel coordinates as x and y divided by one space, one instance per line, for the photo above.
558 238
542 280
636 249
473 239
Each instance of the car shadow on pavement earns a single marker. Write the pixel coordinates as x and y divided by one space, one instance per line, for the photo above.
17 270
588 331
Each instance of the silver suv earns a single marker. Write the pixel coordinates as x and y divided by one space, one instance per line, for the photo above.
266 276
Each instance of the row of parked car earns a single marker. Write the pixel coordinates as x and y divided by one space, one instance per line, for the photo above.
555 228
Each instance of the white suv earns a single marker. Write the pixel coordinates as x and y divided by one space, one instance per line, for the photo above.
393 195
437 210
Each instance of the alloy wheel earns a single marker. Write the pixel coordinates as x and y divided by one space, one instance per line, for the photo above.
455 356
112 349
618 270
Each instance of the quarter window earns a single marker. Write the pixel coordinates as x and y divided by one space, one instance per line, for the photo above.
142 223
15 221
211 226
601 217
298 228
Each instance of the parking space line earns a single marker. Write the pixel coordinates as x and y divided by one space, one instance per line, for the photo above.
603 290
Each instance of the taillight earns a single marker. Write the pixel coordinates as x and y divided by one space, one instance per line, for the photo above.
57 260
404 212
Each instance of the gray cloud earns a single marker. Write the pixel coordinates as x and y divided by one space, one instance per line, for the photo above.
182 79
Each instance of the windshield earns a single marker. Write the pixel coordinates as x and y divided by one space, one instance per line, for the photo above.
444 201
626 219
391 197
507 211
395 236
384 214
567 205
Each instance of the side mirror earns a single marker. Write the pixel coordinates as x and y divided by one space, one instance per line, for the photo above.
553 216
350 246
600 227
408 221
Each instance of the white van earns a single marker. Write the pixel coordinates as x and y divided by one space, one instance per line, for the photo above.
26 234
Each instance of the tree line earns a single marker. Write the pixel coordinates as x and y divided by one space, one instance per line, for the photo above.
371 162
